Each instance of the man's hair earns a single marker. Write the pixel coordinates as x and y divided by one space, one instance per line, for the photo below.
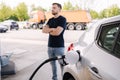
59 5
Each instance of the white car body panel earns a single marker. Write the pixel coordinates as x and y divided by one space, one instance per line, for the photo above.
111 63
94 56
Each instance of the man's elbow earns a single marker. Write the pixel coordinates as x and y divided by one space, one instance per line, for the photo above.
44 31
57 34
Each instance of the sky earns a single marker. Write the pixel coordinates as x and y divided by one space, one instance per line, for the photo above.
97 5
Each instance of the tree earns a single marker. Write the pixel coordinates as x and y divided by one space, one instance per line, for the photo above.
103 14
114 10
13 16
21 12
94 14
76 7
33 8
68 6
5 12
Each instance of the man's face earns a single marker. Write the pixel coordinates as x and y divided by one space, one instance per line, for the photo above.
55 9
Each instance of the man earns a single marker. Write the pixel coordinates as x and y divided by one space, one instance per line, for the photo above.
55 27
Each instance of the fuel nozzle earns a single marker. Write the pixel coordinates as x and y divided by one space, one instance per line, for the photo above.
62 60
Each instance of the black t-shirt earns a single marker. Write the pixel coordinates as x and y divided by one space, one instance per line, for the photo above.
57 41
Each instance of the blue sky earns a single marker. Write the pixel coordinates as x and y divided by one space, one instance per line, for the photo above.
97 5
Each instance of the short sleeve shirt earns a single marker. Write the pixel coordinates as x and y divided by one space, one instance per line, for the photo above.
57 41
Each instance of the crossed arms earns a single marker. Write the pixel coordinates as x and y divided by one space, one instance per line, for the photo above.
52 31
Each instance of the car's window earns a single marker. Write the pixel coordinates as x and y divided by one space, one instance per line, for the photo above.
117 46
108 37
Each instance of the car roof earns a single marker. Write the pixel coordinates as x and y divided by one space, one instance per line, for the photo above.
94 29
105 21
98 24
111 19
2 25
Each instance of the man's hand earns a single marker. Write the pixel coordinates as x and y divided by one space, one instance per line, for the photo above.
56 31
52 31
46 29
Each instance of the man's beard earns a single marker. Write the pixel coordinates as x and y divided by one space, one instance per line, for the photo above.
54 13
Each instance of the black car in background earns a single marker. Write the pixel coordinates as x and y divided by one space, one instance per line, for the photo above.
3 28
14 25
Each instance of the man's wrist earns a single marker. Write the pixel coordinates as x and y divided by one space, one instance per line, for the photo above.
50 30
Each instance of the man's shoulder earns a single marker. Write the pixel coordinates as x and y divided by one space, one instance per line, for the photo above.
51 18
62 17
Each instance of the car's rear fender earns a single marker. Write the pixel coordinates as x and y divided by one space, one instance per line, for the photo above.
70 71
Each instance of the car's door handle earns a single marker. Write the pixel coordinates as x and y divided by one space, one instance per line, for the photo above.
95 72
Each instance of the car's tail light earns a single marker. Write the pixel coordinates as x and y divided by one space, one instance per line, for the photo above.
71 47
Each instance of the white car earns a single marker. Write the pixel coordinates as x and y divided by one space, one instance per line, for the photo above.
24 25
99 53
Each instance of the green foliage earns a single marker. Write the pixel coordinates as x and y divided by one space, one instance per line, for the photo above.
94 14
76 7
5 12
21 12
33 8
69 6
114 10
103 14
13 17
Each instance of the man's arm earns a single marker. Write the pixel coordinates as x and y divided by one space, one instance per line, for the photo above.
46 29
56 31
61 25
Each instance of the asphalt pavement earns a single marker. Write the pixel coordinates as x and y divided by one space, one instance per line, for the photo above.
29 48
